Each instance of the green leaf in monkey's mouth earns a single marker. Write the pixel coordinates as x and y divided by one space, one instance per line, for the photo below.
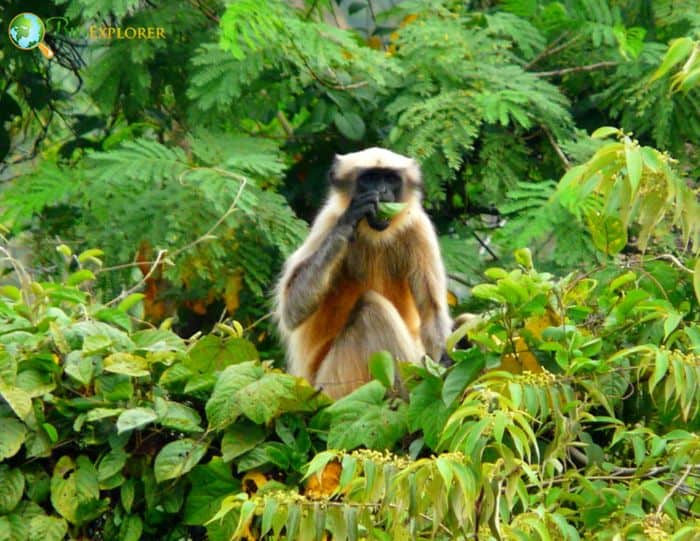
386 211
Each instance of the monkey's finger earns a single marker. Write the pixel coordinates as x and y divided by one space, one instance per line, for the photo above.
366 197
369 209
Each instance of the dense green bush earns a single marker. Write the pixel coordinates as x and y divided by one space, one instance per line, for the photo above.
565 417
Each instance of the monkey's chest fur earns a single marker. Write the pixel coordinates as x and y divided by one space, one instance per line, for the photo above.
384 268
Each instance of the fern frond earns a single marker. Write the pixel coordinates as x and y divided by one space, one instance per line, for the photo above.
144 159
525 36
48 185
218 78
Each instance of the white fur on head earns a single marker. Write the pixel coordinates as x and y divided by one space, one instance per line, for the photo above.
347 166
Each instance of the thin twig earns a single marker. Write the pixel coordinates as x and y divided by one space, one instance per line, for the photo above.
675 488
557 148
552 48
205 11
156 264
286 126
484 245
673 259
259 320
587 67
124 266
208 235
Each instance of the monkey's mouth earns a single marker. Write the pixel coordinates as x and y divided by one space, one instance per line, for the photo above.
377 223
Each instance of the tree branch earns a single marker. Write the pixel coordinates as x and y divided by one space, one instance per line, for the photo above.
587 67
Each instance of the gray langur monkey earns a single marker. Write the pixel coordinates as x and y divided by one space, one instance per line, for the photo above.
360 284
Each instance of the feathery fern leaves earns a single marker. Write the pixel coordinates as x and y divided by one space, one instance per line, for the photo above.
47 185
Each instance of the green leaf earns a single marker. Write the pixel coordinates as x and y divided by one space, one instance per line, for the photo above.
634 166
79 367
604 131
671 322
178 416
223 408
652 159
660 369
11 292
387 211
102 413
240 438
96 343
211 483
426 411
678 50
468 366
134 418
621 280
44 528
363 418
157 340
74 486
127 493
489 292
11 488
130 301
696 279
78 277
131 528
90 254
608 233
523 256
275 393
213 353
18 399
177 458
115 317
381 366
111 464
126 364
350 125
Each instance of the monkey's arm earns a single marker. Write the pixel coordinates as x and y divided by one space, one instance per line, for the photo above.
428 282
309 273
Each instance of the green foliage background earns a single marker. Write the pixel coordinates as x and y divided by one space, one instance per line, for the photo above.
559 143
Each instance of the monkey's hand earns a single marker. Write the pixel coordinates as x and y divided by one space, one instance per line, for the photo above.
362 206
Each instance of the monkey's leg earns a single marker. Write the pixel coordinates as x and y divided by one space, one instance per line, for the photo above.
374 325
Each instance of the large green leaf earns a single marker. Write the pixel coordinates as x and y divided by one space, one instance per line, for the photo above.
363 418
469 364
18 399
427 411
211 483
74 488
43 528
177 458
126 364
240 438
12 436
214 353
224 407
177 416
134 418
11 488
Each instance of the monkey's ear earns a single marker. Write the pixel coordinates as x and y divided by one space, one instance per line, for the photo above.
339 174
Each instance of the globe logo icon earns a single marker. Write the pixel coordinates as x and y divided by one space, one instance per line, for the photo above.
26 31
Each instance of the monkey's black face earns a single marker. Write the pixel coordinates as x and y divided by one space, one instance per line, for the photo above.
386 182
388 186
